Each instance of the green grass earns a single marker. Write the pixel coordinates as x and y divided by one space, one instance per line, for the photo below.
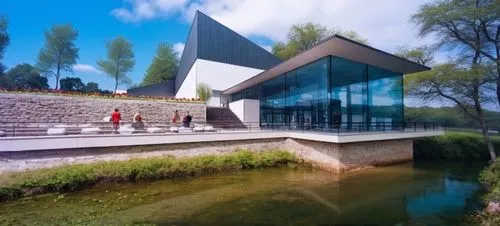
76 177
462 146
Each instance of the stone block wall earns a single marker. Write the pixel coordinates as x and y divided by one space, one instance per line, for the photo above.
68 109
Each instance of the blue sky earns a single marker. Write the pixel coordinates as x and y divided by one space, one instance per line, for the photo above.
29 19
146 23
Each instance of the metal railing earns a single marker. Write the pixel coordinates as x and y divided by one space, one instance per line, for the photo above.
15 129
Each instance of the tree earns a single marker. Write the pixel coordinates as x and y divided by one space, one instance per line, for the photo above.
120 61
304 36
469 25
72 84
59 53
92 87
457 24
163 67
24 77
204 91
422 55
4 41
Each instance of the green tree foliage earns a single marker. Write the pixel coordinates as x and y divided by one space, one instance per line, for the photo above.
467 82
4 41
120 61
59 53
204 92
471 26
92 87
163 67
450 117
422 55
23 77
304 36
72 84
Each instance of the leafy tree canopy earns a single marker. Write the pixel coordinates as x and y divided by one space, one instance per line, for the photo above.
92 87
304 36
23 77
59 52
163 67
72 84
120 61
4 40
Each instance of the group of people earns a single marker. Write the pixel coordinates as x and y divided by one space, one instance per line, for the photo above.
138 120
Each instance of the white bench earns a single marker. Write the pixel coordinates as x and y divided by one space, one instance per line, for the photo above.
155 130
57 131
91 131
126 130
3 133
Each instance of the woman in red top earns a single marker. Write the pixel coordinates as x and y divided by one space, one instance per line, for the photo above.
115 118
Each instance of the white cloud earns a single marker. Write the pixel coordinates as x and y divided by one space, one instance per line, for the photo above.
385 23
138 10
267 47
178 48
85 68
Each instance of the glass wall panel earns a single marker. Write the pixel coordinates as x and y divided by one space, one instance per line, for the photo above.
385 96
361 97
307 96
348 93
272 102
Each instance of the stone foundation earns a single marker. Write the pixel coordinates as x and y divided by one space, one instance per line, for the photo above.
351 156
331 157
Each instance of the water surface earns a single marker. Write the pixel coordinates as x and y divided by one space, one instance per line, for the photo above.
396 195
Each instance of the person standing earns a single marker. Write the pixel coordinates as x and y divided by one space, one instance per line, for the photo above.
115 119
177 118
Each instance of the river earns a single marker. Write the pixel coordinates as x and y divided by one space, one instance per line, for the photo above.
404 194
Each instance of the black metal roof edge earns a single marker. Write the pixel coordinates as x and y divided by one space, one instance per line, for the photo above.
380 51
328 39
238 34
182 55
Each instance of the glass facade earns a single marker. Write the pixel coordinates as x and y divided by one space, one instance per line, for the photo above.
330 93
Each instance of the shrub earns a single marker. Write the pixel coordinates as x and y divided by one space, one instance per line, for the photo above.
454 146
76 177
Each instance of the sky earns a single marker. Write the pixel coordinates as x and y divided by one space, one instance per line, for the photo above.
146 23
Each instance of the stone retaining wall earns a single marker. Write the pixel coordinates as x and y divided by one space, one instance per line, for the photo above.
323 155
68 109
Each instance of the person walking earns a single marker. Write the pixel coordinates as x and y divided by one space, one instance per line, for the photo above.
115 119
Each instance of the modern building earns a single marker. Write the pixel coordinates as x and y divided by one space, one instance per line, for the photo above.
336 83
214 55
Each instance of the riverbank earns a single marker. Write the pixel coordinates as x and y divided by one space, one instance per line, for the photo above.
76 177
454 146
490 178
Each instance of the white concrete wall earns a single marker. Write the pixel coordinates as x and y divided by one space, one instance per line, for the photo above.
252 111
238 109
248 111
215 99
188 87
221 76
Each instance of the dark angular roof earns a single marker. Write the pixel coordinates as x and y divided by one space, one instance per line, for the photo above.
210 40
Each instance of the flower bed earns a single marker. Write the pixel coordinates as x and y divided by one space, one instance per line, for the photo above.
104 95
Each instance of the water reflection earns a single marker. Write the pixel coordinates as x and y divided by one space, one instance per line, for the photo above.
397 195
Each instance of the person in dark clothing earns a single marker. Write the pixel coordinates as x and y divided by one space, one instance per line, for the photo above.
187 120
